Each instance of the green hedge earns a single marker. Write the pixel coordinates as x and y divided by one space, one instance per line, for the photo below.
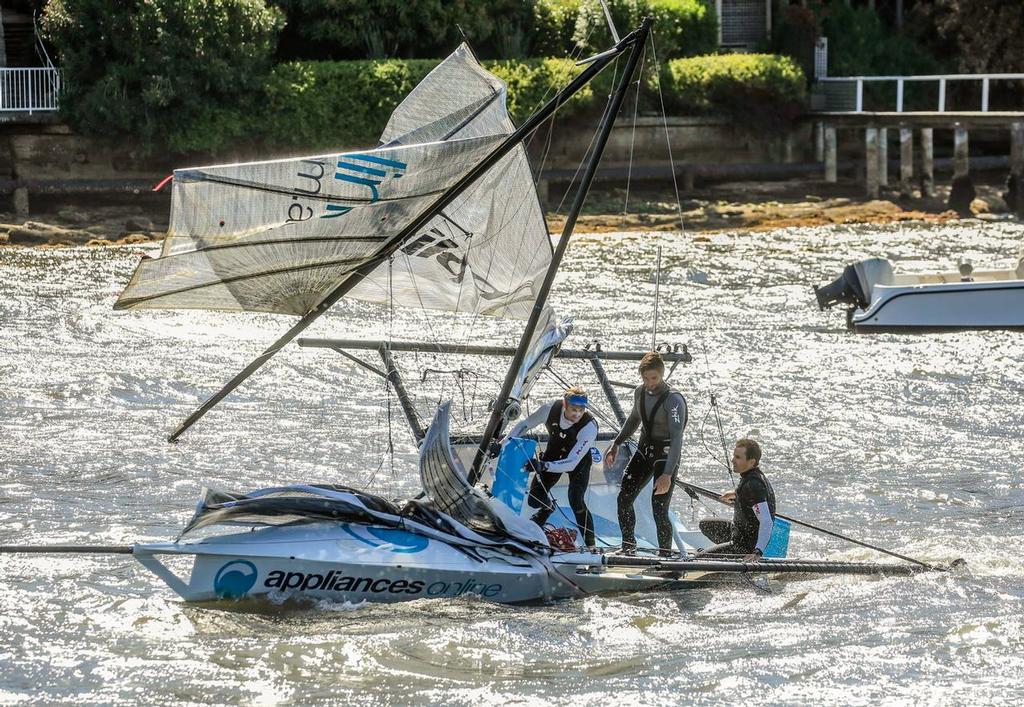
326 105
758 90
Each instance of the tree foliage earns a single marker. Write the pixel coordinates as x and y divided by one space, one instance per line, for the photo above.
860 44
985 36
154 69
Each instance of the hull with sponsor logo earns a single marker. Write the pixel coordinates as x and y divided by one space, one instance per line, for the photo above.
356 563
344 562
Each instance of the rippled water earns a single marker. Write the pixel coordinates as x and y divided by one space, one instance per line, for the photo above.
911 442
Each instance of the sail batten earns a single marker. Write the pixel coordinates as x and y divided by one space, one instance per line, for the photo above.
281 235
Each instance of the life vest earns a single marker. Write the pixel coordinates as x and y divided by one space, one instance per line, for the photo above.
561 442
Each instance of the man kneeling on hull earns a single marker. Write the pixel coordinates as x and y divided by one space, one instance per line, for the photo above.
753 509
572 431
662 412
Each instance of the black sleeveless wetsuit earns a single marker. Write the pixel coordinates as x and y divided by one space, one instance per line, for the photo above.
560 444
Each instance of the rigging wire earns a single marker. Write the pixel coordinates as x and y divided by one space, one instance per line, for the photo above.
668 141
632 139
718 418
593 139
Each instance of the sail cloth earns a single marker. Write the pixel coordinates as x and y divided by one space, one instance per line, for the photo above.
445 484
279 236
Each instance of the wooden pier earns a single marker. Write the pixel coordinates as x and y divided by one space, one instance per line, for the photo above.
875 127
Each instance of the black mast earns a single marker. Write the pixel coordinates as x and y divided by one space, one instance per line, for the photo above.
397 241
498 412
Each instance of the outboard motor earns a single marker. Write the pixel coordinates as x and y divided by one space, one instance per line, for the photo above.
854 286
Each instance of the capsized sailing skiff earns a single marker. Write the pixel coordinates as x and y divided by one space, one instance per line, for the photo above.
443 214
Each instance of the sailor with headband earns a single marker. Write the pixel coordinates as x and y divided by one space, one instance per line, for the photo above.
572 431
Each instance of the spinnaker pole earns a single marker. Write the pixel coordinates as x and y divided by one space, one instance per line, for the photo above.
399 239
498 412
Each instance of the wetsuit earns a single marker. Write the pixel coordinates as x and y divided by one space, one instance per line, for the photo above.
567 451
662 415
753 517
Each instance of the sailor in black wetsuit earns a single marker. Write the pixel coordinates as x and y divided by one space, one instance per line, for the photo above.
753 508
572 431
662 413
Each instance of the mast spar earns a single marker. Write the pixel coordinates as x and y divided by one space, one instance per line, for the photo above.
352 280
500 409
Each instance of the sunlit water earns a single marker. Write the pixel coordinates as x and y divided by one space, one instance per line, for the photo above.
910 442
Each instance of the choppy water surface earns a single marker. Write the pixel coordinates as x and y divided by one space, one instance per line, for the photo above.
911 442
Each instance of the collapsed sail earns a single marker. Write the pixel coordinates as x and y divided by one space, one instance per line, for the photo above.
279 236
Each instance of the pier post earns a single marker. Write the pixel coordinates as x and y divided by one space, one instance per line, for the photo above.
20 201
961 191
831 163
871 162
1015 190
544 192
927 162
819 142
961 163
906 162
883 157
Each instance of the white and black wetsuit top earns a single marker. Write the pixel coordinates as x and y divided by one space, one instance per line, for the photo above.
753 490
569 442
663 415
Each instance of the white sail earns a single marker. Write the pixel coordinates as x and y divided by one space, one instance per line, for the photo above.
279 236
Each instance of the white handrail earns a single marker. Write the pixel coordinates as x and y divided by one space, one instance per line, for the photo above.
925 77
941 79
29 89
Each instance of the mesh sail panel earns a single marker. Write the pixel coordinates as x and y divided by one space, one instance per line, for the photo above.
279 236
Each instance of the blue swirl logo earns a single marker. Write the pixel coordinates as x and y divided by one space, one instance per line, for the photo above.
235 579
391 539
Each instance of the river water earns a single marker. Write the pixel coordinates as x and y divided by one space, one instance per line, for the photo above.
910 442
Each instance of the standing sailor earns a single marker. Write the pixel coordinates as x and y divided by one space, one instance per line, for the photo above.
662 412
753 514
572 431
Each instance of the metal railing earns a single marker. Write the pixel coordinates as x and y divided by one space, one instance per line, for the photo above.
857 82
29 90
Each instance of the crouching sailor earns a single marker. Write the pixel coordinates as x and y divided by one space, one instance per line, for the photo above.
662 412
572 431
753 508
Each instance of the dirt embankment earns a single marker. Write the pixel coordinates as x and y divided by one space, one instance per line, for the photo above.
763 206
751 206
77 226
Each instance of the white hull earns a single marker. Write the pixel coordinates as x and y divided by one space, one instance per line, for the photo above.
938 307
354 563
933 301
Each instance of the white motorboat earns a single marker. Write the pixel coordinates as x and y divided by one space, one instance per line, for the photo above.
880 300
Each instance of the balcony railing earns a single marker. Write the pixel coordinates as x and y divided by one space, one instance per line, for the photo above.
29 90
846 93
